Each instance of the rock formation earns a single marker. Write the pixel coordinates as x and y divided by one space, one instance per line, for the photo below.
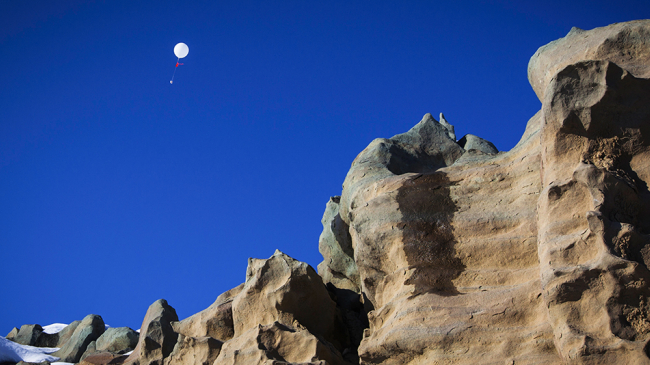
87 331
157 337
625 44
537 255
446 252
117 340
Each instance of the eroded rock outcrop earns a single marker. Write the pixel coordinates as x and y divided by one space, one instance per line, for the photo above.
536 255
593 217
215 321
626 44
277 343
157 337
194 351
447 254
285 307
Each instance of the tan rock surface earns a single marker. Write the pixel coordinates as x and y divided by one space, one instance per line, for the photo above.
626 44
538 255
449 258
277 343
194 351
593 213
214 321
286 290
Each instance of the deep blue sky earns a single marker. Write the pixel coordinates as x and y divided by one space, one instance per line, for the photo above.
117 188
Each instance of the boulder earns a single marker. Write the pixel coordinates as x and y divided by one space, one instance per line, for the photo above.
215 321
626 44
12 334
87 331
33 335
335 244
65 334
472 142
277 343
281 289
194 351
157 337
28 334
118 340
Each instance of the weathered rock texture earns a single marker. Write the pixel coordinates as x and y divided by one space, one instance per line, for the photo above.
593 219
277 343
446 253
284 312
626 44
215 321
538 255
194 351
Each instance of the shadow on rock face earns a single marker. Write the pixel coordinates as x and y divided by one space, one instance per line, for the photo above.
428 236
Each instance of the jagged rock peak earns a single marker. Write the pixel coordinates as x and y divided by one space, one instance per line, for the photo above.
450 128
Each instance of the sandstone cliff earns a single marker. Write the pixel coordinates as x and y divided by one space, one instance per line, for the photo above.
441 251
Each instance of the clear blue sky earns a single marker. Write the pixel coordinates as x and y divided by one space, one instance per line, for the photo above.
117 188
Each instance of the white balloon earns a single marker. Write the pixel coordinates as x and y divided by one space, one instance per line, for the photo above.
181 50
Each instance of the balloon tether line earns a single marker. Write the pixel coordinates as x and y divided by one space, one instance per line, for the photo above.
174 74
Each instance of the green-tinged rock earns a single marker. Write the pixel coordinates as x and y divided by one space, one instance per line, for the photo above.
86 332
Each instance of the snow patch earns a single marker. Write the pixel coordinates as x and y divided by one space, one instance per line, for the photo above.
54 328
14 352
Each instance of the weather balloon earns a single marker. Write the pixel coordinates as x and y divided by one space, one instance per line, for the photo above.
180 50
